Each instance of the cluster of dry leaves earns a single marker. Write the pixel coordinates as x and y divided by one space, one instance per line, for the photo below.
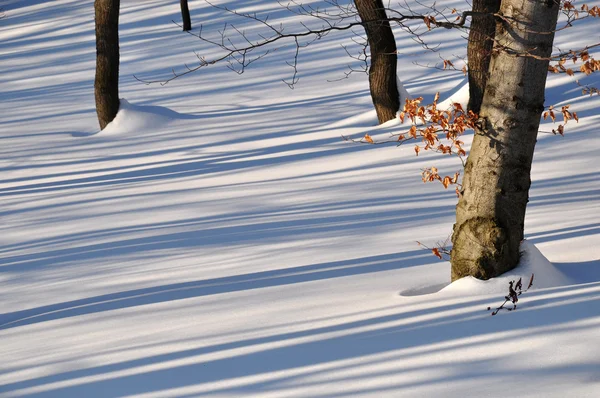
566 114
589 66
590 11
439 130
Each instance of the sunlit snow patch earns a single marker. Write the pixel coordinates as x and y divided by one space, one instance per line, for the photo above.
369 118
460 95
135 118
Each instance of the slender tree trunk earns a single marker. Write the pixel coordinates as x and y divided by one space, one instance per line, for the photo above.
382 72
479 49
185 15
106 85
491 210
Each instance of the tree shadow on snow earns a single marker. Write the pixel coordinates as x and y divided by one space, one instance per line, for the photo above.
180 291
346 353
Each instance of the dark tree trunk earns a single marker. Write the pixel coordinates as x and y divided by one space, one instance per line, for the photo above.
185 15
479 49
490 213
382 72
106 85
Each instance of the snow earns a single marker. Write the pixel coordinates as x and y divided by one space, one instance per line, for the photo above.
134 118
531 263
219 238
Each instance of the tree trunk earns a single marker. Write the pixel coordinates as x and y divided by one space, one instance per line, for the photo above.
491 210
106 85
479 49
382 72
185 15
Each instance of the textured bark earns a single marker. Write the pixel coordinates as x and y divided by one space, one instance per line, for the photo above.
479 49
185 15
491 210
106 85
382 72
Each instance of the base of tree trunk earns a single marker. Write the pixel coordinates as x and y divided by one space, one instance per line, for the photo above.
486 250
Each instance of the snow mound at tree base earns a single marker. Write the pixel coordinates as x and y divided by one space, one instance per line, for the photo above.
532 262
135 118
546 275
459 95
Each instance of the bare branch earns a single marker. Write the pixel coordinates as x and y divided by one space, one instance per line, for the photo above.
332 21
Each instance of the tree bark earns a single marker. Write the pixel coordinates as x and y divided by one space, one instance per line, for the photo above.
185 15
479 49
106 85
491 210
382 71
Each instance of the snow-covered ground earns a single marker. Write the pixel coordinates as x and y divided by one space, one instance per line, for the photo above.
221 239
